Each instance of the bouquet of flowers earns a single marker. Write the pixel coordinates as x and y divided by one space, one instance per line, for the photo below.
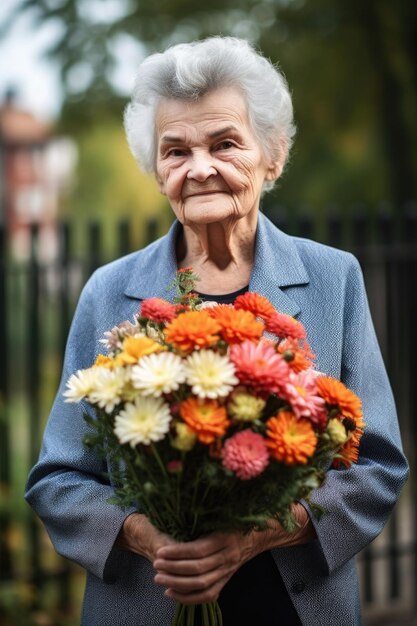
213 418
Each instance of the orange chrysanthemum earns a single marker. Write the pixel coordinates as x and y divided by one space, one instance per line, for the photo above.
207 419
337 395
299 357
290 440
349 453
255 303
236 325
192 329
135 348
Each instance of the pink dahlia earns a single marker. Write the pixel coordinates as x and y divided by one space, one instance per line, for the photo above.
302 394
259 366
245 454
283 325
158 310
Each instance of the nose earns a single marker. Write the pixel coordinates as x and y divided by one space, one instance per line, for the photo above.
201 167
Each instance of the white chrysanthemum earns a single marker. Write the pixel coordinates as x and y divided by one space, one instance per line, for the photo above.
144 421
210 374
80 385
158 373
207 304
108 389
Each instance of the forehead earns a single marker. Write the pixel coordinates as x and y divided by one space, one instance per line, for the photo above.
224 107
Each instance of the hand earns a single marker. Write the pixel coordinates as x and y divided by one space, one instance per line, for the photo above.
196 571
140 536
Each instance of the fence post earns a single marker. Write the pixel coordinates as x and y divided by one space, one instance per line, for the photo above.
151 230
5 554
33 360
64 320
94 245
411 242
124 237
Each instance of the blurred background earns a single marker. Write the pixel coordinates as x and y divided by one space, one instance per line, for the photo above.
72 198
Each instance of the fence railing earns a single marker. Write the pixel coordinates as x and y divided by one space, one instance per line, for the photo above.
37 299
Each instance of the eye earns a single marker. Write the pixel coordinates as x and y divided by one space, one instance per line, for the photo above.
175 152
225 145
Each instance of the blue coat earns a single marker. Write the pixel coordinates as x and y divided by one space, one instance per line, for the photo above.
68 489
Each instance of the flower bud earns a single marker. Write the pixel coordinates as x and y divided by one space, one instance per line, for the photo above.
185 438
245 407
337 432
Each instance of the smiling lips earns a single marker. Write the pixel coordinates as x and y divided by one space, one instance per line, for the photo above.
203 192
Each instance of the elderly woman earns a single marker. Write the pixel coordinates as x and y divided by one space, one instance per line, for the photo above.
213 120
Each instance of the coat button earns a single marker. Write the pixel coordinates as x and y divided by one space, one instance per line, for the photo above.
298 586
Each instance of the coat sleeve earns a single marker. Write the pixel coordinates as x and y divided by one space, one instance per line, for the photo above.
358 501
68 487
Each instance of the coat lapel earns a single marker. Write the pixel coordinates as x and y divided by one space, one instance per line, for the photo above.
155 268
277 265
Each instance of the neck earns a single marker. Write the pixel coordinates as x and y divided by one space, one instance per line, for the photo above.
221 254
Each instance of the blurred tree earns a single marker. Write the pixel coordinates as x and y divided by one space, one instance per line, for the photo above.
110 187
352 68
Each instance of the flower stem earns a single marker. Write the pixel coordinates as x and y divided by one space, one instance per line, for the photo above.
190 615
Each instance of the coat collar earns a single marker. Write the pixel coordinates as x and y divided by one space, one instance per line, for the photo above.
277 264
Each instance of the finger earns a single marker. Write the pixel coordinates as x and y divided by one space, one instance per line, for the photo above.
210 594
191 567
190 584
199 548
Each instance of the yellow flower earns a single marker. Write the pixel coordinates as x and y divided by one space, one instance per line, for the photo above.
246 407
103 361
136 347
185 438
337 432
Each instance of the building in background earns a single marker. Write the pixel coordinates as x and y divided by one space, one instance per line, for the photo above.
36 169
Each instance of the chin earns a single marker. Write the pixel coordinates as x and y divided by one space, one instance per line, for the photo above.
210 213
210 218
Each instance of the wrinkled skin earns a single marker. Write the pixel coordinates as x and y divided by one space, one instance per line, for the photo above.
196 571
211 169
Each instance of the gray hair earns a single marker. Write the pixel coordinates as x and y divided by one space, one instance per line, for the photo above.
188 71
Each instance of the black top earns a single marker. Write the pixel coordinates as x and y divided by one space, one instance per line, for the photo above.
256 594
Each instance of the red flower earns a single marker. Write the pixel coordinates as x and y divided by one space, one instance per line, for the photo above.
284 326
158 310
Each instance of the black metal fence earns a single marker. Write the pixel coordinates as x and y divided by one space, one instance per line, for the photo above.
37 299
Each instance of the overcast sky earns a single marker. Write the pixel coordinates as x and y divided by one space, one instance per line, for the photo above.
36 78
23 67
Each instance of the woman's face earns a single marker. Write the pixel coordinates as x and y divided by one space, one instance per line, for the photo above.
209 164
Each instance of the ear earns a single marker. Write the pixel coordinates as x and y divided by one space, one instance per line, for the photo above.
276 164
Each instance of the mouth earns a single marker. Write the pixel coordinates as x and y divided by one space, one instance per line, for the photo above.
204 193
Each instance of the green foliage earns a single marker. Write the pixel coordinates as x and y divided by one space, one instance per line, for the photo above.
185 502
352 68
109 185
